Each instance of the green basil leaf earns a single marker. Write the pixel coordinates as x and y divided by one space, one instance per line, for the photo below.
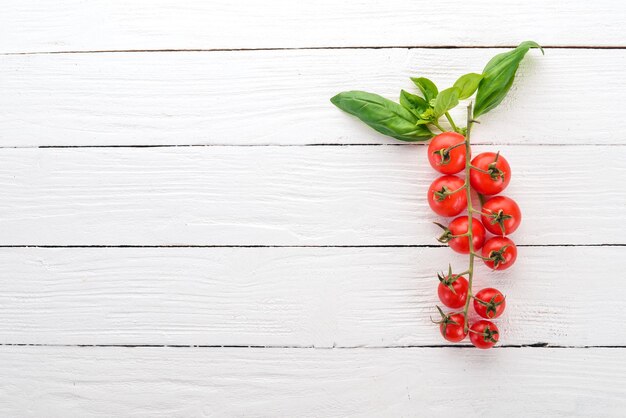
385 116
414 103
446 100
498 77
427 87
467 84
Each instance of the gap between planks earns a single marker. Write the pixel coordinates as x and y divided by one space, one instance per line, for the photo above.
292 246
116 51
312 347
408 144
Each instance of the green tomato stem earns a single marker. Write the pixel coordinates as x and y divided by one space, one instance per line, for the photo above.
455 191
470 235
479 212
480 170
460 144
481 257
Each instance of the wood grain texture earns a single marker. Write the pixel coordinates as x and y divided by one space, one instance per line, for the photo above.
322 297
286 195
339 330
70 25
188 382
282 97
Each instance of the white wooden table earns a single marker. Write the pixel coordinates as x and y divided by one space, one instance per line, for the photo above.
189 227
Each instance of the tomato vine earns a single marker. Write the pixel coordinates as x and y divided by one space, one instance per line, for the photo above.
470 236
412 120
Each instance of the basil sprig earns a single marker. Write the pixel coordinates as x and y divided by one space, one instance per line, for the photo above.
409 120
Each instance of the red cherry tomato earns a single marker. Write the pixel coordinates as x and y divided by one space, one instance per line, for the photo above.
498 177
452 327
443 203
452 291
484 334
501 252
489 303
444 159
459 226
504 215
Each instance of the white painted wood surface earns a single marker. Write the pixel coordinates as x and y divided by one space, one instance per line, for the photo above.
198 382
287 195
282 97
252 275
70 25
321 297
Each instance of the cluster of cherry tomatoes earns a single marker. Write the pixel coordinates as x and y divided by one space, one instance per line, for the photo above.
447 196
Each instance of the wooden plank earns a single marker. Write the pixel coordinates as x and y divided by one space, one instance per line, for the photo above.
183 382
282 97
287 195
322 297
70 25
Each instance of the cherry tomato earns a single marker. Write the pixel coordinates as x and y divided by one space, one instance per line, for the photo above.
452 290
504 215
498 177
444 159
501 251
441 201
459 226
484 334
451 327
489 303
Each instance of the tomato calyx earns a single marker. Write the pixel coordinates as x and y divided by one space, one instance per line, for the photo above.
445 320
448 280
446 236
492 305
441 194
444 192
492 169
494 172
498 218
488 334
497 256
444 153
